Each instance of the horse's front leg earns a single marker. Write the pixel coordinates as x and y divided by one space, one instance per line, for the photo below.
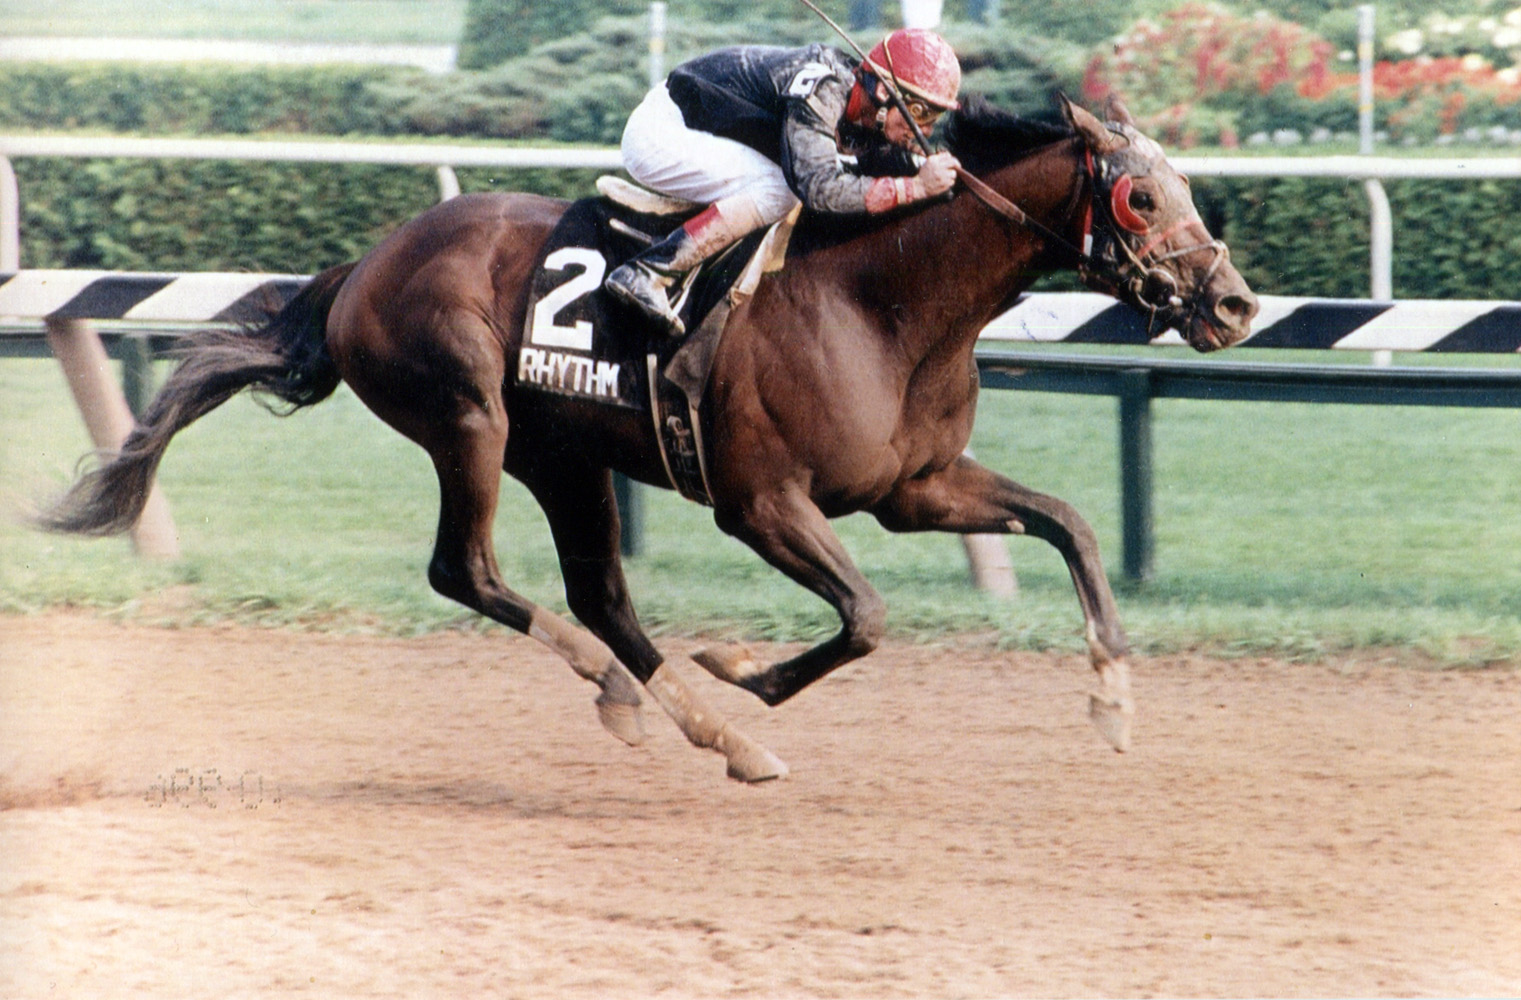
968 499
789 531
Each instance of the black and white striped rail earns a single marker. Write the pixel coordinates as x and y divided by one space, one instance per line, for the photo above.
149 298
1486 327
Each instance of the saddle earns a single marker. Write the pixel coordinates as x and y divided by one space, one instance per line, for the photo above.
580 341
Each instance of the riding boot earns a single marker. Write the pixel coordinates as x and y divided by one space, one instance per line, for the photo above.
644 280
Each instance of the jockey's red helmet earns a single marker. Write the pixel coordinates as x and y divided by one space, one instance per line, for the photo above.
922 62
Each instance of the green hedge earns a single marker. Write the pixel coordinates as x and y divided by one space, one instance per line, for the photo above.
1293 237
1452 239
153 99
175 215
1289 237
579 88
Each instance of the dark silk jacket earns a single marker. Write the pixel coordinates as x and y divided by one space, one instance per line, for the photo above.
788 105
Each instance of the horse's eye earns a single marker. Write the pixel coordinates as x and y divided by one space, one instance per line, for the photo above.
1141 201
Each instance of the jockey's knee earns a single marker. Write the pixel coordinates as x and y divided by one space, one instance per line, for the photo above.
772 201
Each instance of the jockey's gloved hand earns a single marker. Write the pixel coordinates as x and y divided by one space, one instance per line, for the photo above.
937 175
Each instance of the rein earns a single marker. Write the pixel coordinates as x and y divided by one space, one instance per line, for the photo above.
1013 213
1153 287
1006 208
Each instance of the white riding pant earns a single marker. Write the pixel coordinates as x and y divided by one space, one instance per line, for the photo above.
662 153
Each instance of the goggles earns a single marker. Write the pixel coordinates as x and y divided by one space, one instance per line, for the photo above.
921 111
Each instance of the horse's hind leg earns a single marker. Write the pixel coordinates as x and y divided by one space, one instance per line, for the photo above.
583 517
967 498
468 460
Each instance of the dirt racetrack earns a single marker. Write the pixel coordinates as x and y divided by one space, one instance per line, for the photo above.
228 812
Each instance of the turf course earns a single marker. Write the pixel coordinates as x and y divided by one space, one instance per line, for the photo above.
1291 529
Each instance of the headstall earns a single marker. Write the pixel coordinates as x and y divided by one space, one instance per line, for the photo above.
1111 262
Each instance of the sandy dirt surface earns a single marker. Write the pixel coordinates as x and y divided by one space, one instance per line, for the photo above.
228 812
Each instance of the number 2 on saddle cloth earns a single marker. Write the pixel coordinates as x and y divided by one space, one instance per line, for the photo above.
578 341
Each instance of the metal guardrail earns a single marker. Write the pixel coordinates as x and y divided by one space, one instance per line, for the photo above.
144 307
1136 381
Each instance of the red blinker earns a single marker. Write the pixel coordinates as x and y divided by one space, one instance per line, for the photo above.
1119 207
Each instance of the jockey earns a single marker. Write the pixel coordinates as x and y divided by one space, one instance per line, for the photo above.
751 131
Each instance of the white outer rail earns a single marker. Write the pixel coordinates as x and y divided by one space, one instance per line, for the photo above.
311 151
1349 167
444 157
1372 171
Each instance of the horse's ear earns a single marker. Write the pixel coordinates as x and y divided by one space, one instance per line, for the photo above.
1098 138
1115 111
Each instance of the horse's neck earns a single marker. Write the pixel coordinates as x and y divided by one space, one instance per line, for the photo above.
960 263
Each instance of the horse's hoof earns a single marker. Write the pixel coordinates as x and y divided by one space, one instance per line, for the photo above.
729 663
1112 716
750 762
619 705
624 721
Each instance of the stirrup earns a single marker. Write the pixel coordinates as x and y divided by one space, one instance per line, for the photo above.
639 286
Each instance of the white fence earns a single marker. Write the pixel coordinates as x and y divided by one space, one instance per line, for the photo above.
1370 170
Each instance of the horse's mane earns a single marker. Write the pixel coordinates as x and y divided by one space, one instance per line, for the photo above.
984 137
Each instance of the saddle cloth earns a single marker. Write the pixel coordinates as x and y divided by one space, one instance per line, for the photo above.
579 341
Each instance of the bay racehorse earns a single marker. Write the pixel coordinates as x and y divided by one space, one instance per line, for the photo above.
845 383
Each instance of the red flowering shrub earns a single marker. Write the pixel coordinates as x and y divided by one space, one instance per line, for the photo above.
1199 51
1202 72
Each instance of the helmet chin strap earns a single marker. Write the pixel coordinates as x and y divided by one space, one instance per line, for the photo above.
869 104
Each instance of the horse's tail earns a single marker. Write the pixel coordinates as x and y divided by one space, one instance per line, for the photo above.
285 360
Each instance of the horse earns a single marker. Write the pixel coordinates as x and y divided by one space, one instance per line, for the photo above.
844 383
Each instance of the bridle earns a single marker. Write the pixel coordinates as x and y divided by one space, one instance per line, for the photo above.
1125 254
1107 260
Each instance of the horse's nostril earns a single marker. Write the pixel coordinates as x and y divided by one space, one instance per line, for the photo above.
1236 308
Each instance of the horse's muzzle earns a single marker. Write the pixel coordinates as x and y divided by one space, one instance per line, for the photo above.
1224 313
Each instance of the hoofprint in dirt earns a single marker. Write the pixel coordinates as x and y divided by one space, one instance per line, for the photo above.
231 812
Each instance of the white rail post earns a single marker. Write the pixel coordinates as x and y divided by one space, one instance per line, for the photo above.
10 218
1381 252
988 557
992 570
1380 219
77 346
657 42
1365 79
